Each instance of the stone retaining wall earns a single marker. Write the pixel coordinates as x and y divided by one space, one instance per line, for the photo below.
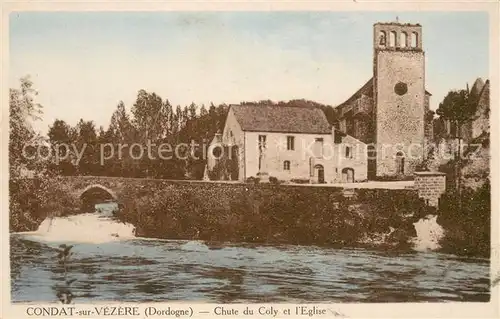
430 186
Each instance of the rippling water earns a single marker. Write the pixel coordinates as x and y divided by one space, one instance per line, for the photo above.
124 268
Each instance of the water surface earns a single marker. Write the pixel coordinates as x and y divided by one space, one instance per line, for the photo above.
108 263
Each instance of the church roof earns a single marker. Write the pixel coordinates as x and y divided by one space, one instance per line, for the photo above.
283 119
366 89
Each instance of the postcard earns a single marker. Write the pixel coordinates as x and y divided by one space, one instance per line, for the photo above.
267 159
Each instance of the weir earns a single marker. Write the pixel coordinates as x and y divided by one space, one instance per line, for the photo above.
96 227
265 213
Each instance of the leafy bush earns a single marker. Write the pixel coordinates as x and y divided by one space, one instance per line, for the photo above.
273 180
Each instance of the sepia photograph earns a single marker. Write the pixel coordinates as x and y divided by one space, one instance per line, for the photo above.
249 157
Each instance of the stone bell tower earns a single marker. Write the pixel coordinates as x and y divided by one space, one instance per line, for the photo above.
399 98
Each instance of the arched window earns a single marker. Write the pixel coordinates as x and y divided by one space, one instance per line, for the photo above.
286 165
382 39
392 39
414 40
402 39
371 152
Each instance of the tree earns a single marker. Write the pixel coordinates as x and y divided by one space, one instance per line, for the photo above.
23 110
86 141
458 110
121 132
62 140
30 199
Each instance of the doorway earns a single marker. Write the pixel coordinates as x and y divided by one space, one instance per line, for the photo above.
348 175
400 163
320 173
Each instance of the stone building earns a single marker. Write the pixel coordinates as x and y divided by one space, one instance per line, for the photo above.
389 112
288 143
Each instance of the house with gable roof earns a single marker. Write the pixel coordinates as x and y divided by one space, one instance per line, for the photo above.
289 143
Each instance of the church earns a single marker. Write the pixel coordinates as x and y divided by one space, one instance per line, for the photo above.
379 131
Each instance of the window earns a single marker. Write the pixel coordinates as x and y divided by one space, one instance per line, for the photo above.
286 165
290 143
348 152
401 88
371 152
262 142
318 147
262 147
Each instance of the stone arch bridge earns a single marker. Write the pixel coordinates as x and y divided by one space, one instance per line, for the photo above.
92 189
89 190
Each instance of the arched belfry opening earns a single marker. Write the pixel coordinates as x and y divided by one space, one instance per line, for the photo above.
414 39
403 39
96 194
382 39
392 39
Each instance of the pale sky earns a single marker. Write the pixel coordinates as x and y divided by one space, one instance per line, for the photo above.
83 64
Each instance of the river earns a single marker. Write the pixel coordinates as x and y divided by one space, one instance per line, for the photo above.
108 263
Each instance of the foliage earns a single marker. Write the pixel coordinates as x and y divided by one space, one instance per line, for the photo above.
273 180
458 107
468 227
226 167
23 110
151 120
33 196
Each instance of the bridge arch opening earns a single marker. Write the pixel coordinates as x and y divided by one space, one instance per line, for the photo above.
96 194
